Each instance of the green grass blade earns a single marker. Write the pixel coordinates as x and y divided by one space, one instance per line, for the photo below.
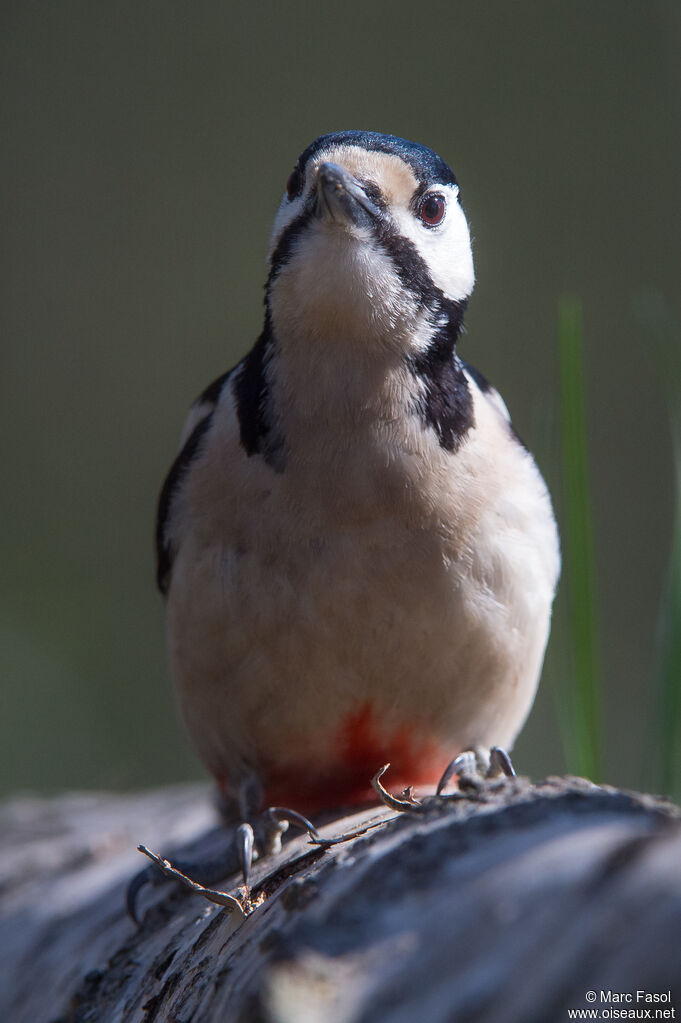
658 321
578 550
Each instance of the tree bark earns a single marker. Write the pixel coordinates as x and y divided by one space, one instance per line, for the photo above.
509 904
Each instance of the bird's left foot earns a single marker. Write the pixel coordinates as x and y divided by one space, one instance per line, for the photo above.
250 842
473 768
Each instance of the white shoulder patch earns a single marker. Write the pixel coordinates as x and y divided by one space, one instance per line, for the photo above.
207 402
197 413
491 394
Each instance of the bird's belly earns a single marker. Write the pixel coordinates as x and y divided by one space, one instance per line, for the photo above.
317 663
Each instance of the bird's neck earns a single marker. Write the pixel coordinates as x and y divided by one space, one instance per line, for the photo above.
350 424
355 379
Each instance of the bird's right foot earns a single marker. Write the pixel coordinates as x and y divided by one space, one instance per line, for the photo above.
476 766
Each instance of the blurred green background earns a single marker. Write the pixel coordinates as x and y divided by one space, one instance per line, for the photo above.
145 151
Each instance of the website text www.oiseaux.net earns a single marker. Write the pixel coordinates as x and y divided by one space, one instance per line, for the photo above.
605 1005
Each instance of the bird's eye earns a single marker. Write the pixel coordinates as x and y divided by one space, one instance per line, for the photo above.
294 184
432 210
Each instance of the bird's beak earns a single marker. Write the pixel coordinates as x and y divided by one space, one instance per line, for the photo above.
341 198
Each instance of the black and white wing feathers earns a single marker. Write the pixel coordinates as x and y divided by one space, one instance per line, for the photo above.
196 427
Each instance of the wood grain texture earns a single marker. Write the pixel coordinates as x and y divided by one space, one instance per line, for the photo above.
507 905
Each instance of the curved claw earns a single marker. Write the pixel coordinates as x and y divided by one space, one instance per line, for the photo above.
455 766
293 817
500 763
278 816
148 875
244 846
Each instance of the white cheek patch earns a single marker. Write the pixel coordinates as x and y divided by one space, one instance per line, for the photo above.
446 250
364 278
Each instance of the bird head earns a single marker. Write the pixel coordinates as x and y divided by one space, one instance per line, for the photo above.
370 242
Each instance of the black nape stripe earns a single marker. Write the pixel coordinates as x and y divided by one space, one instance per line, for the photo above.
252 392
164 552
410 266
447 404
250 389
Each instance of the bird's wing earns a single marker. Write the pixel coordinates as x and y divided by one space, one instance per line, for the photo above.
195 429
